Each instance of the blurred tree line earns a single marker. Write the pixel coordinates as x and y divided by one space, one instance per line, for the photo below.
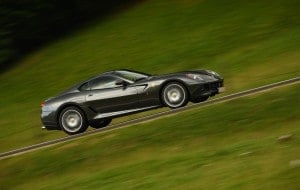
27 24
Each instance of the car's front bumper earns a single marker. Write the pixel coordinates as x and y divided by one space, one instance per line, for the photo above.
221 89
206 89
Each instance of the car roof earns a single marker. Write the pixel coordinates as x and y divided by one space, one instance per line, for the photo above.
105 73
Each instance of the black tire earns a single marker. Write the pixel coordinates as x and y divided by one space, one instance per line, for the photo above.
200 99
174 95
100 123
72 120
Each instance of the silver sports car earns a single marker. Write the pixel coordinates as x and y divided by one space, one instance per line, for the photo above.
96 101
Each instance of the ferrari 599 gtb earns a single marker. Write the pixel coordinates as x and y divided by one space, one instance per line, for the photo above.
96 101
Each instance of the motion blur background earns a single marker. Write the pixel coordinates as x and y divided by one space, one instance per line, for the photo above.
49 45
28 25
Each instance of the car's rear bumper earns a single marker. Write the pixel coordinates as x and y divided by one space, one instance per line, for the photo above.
49 120
54 127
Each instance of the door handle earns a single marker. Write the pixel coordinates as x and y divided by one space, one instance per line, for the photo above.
90 95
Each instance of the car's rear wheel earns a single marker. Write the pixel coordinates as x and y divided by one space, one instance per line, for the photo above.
100 123
174 95
72 120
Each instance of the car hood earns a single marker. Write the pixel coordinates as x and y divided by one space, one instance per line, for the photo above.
198 72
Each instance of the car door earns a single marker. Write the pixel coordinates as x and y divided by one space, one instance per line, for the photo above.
105 96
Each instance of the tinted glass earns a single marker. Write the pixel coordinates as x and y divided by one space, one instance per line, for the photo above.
85 86
132 76
104 82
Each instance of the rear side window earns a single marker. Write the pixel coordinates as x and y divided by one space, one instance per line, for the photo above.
104 82
84 87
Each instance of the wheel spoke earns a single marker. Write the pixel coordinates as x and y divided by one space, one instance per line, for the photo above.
174 95
72 120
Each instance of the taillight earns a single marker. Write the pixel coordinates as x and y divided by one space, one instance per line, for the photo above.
43 104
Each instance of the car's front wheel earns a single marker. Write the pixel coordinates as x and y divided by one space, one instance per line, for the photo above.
72 120
174 95
100 123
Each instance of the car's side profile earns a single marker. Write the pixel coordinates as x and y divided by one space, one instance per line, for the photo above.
98 100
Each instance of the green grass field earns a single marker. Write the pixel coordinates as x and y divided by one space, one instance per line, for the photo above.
249 43
231 145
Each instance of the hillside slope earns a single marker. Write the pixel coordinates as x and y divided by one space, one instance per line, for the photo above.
249 42
231 145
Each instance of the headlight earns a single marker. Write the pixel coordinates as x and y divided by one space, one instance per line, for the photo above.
213 73
195 77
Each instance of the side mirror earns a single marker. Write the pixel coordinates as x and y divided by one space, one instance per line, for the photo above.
121 82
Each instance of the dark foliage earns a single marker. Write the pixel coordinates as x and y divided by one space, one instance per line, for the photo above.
27 24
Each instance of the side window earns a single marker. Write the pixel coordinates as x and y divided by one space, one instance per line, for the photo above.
84 87
104 82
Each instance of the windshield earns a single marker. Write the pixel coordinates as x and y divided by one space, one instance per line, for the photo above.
132 76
